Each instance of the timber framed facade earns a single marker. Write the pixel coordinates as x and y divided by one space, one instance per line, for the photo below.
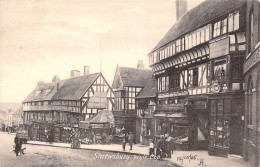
60 104
198 65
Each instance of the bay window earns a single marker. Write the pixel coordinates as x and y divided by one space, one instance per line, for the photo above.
220 69
163 83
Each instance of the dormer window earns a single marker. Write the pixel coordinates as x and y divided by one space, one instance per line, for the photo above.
37 92
47 91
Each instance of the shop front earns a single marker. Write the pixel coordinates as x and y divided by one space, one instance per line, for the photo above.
226 125
198 122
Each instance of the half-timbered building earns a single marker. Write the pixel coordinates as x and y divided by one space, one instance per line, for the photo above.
198 67
64 103
128 82
251 151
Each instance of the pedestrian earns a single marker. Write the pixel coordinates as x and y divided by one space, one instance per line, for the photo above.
159 149
168 147
131 140
124 140
151 148
17 145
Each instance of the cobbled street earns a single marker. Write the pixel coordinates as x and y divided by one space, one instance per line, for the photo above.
55 156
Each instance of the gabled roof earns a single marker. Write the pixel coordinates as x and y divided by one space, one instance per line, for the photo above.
134 76
149 90
75 88
70 89
104 116
199 16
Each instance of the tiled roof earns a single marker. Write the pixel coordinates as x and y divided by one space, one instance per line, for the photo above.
199 16
40 93
103 116
134 76
70 89
149 90
74 88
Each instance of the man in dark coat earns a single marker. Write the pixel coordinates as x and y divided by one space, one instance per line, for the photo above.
18 145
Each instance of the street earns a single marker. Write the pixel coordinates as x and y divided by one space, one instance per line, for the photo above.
55 156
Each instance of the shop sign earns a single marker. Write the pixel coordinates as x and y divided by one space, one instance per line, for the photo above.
252 60
219 47
174 94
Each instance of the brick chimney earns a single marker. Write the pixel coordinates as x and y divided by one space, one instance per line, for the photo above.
140 64
181 8
74 73
86 70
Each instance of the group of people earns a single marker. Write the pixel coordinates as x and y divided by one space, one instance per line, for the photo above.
128 138
163 148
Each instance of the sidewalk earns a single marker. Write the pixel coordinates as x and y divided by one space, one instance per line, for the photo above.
179 158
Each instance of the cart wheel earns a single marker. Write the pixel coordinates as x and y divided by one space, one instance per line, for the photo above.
99 142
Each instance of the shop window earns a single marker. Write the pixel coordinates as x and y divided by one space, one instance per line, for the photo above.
193 77
219 127
250 102
220 70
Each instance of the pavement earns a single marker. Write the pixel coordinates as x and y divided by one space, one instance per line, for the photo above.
179 158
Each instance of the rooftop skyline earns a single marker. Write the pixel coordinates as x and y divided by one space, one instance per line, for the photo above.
40 39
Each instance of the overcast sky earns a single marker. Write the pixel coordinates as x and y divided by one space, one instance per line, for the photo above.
40 38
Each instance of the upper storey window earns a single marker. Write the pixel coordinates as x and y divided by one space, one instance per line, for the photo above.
220 69
233 22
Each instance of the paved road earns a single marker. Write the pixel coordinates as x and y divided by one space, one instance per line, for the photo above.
55 156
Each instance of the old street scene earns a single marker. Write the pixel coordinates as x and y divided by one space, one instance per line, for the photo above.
130 83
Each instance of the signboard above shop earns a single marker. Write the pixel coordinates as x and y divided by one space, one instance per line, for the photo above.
219 47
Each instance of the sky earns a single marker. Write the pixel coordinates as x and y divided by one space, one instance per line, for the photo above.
40 38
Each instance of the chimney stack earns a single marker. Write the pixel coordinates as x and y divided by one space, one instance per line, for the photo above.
74 73
140 64
181 8
86 70
56 80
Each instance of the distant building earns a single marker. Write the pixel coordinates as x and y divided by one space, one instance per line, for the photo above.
128 82
64 103
15 119
251 140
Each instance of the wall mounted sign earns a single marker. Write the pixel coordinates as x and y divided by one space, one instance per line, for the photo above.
252 60
219 47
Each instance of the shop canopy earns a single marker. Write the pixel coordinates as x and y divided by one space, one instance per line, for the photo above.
103 117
